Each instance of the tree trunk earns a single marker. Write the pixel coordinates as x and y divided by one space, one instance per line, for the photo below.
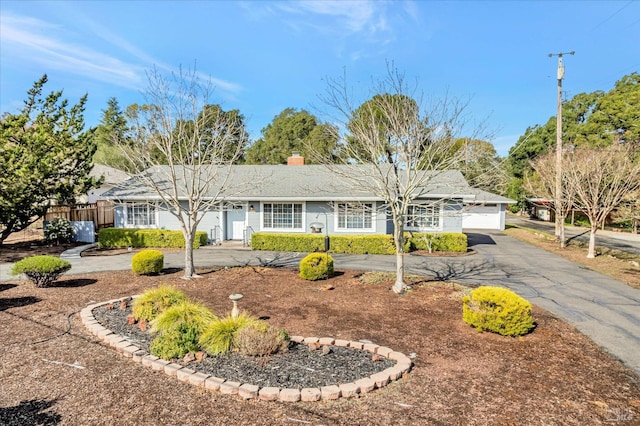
563 241
189 270
398 235
592 241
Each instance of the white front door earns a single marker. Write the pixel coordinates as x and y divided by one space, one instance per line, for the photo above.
236 216
238 230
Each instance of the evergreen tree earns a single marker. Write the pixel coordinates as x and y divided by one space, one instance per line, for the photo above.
45 155
293 130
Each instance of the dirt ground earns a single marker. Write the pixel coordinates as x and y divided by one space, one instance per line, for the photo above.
55 372
614 263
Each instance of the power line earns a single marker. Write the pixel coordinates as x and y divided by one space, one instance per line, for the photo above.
611 16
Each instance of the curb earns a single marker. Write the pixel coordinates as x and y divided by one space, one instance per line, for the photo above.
248 391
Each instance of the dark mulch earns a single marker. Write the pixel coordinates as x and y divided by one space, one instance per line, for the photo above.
297 368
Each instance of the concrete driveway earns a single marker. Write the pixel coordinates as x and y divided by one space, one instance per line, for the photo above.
602 308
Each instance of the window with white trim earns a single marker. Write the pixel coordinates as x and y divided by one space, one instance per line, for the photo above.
354 216
140 215
423 216
282 215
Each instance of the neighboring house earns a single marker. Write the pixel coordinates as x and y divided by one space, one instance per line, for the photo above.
112 178
298 198
541 208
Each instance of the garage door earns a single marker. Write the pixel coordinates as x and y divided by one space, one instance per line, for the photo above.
481 217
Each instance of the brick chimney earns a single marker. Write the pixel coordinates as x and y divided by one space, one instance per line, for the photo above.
295 160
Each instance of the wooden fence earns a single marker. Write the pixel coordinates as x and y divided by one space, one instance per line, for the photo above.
101 213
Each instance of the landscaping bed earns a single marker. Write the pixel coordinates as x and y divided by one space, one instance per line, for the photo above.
301 366
54 370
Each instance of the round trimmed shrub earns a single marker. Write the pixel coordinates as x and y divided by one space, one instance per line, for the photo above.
147 262
316 266
154 301
41 270
498 310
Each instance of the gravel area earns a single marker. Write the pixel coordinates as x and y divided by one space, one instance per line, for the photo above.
298 367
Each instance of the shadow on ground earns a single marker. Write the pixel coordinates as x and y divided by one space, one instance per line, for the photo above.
16 302
33 412
4 287
474 239
73 283
452 270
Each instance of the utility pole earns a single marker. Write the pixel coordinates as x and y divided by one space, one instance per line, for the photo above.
558 192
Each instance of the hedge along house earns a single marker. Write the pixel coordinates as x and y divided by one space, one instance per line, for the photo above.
299 198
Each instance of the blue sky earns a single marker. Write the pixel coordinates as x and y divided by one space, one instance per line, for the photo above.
266 56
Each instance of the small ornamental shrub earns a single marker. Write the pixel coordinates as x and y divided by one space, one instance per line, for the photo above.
41 270
59 230
316 266
155 301
498 310
220 336
147 262
175 344
179 328
261 339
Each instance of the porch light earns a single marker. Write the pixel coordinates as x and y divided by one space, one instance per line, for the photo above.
251 208
234 298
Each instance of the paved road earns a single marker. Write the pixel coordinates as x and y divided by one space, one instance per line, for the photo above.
602 308
616 240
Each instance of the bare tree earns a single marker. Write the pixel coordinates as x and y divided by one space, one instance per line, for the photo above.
600 179
404 147
543 184
182 150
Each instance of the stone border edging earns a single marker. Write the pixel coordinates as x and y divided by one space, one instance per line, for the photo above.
247 390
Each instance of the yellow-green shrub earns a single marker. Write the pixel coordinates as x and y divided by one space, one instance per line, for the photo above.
158 238
154 301
147 262
498 310
41 270
220 336
179 328
358 243
316 266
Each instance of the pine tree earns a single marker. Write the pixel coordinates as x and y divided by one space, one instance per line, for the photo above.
45 155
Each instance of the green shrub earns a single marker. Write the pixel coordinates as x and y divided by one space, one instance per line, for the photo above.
220 336
147 262
498 310
307 243
436 241
59 230
358 244
175 344
261 339
158 238
179 328
363 244
155 301
41 270
316 266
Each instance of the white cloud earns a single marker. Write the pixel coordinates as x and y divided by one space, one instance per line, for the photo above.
40 42
36 41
